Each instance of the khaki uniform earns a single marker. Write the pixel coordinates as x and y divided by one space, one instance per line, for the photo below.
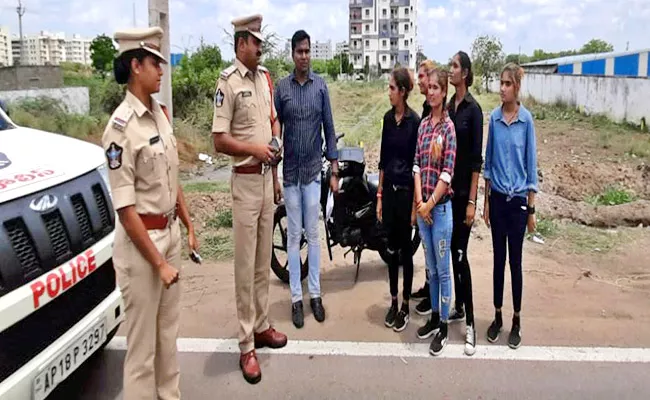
242 108
143 172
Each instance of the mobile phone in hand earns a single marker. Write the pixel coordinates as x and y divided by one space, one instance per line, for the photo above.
196 257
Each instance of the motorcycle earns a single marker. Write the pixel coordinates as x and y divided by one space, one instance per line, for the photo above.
349 218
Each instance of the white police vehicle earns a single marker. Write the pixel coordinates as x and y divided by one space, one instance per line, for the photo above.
59 302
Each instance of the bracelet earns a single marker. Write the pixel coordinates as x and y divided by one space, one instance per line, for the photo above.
472 202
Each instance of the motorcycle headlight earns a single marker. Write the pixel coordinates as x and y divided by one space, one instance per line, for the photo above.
103 171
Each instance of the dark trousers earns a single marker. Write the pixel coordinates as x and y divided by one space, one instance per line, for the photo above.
508 219
396 216
459 259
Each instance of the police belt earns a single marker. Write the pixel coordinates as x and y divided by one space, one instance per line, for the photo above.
159 221
252 169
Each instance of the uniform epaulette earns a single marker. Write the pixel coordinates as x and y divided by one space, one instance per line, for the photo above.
228 71
122 116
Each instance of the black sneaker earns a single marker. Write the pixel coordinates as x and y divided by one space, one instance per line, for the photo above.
439 341
430 328
297 314
424 307
402 318
317 308
494 330
422 293
457 316
514 340
391 316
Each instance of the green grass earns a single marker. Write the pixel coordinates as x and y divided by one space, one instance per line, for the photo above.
585 239
223 219
612 196
547 227
217 246
206 187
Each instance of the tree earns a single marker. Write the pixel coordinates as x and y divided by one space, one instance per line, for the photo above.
596 46
102 52
419 57
487 53
195 78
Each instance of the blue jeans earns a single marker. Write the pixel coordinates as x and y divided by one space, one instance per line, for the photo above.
436 241
303 209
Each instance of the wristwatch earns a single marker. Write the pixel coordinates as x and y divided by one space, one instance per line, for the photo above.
531 210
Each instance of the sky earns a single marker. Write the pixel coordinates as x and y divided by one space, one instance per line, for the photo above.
445 26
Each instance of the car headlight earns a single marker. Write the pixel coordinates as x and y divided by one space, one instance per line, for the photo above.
103 171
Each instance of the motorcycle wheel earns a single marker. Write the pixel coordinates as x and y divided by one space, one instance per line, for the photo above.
415 243
279 256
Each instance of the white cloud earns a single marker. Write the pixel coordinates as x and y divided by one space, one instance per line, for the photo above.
437 13
444 26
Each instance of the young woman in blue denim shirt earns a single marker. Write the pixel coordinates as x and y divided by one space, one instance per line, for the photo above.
510 187
435 157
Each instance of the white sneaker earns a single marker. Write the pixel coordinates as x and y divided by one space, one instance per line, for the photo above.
470 341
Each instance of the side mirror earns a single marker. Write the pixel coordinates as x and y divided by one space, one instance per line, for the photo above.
339 137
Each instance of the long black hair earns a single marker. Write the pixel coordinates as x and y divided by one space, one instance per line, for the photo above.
122 64
466 65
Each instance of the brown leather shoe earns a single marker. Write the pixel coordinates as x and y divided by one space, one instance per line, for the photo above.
250 367
270 338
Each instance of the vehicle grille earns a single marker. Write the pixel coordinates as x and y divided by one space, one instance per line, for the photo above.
24 247
81 212
27 338
58 235
32 243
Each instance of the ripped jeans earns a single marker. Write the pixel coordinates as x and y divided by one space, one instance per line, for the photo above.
436 240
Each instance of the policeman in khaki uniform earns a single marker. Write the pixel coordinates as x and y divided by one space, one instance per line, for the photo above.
143 171
243 126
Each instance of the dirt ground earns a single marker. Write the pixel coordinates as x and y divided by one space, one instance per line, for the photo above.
583 285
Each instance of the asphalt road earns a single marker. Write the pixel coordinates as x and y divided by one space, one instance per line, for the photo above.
211 375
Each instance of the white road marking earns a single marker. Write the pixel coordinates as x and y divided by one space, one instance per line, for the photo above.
416 350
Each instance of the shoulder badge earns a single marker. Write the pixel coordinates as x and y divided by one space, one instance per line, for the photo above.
114 156
225 74
218 98
121 117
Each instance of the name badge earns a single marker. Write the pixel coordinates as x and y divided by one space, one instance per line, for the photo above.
154 140
246 94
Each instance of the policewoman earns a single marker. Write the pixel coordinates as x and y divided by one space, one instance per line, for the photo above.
143 171
244 126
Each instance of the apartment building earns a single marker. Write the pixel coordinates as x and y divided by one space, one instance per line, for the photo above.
77 50
383 32
342 48
6 54
52 49
321 50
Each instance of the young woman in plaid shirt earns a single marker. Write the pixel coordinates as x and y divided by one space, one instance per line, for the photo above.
433 167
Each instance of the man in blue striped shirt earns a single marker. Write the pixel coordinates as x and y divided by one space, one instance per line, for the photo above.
303 106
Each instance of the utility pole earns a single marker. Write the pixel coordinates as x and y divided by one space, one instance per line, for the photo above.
159 16
21 11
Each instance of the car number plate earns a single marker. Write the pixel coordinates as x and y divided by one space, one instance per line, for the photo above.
69 360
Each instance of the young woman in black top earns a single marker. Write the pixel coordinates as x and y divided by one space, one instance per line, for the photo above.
467 116
395 208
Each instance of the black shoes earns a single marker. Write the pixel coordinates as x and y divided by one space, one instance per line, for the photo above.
514 340
402 319
424 307
391 315
422 293
495 328
439 341
457 315
318 309
430 328
297 314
